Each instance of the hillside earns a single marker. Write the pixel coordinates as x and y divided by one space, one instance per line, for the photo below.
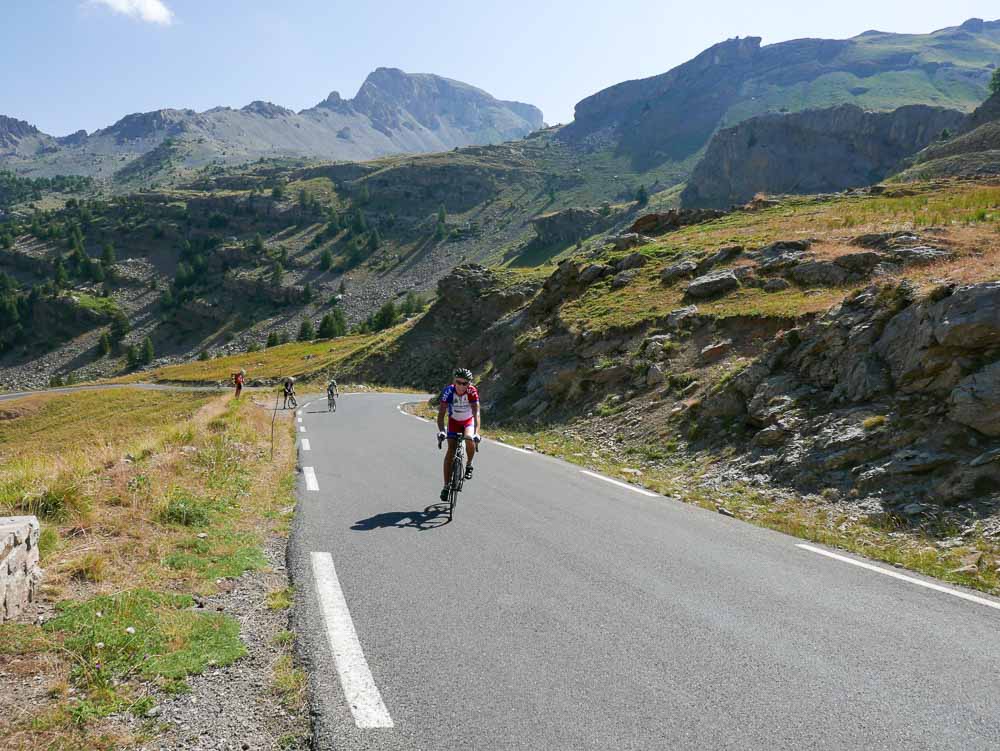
973 152
669 118
815 151
393 112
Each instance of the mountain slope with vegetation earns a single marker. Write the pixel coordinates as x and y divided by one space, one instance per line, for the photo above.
668 119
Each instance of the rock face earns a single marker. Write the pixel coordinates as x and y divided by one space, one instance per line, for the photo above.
815 151
670 117
974 152
393 112
568 225
884 393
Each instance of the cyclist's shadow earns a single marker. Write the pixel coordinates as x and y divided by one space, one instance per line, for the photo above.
432 517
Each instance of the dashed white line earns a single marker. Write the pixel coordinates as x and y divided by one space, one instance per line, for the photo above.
299 419
902 577
299 412
356 678
310 475
619 483
305 445
302 428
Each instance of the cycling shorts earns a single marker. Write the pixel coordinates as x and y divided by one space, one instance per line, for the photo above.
456 428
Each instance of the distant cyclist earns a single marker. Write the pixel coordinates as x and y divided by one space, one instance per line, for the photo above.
289 392
460 401
332 393
238 380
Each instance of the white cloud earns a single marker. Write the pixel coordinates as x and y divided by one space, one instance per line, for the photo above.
153 11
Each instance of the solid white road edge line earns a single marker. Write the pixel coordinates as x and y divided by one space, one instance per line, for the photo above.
619 483
356 679
305 445
310 475
512 448
903 577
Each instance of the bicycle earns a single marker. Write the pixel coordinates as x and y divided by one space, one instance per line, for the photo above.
457 471
331 403
291 402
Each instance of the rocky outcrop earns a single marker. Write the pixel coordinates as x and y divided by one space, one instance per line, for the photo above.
20 574
816 151
886 393
659 223
569 225
974 152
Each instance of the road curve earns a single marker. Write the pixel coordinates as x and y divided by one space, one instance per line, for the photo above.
559 611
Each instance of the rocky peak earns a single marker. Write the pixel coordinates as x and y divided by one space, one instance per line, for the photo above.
266 109
13 130
73 139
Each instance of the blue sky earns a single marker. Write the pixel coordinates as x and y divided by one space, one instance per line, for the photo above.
71 64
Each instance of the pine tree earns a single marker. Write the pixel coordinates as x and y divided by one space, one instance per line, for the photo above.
108 255
120 326
995 82
104 346
272 339
374 241
642 196
258 243
132 356
59 273
147 351
307 293
277 274
325 260
326 327
342 289
358 223
384 317
306 332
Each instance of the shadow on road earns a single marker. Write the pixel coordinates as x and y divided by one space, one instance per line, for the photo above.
431 517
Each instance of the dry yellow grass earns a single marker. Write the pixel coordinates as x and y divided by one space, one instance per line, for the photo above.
112 494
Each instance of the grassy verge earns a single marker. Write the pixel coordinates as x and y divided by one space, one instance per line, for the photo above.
147 500
972 560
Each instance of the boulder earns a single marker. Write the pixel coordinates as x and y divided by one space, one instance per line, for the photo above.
776 285
818 273
680 270
682 317
713 284
770 437
722 255
655 376
715 351
631 261
920 256
628 240
624 278
859 263
975 401
593 272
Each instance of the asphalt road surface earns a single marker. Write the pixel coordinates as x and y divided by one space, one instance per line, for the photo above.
557 610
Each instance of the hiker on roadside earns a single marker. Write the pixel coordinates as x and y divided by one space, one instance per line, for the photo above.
238 380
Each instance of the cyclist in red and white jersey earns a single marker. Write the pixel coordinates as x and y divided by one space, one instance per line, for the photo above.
460 401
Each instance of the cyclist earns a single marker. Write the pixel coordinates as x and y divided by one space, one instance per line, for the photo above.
238 380
331 390
460 401
289 391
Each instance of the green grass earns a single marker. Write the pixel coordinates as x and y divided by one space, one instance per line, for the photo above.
280 599
103 306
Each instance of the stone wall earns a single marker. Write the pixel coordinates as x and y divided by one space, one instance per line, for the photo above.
19 571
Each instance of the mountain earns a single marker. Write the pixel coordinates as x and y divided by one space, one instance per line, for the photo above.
816 151
974 152
393 112
669 118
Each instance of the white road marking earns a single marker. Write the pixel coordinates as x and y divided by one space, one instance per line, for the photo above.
356 679
299 412
310 475
512 448
305 445
619 483
302 428
903 577
299 419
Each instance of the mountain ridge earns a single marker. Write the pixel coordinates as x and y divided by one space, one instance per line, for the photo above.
393 112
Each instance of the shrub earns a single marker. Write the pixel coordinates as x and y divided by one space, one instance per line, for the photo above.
306 331
203 355
185 510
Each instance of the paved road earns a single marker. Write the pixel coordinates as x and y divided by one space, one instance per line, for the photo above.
559 611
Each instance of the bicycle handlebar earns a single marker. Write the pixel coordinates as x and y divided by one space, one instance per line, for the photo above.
478 441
